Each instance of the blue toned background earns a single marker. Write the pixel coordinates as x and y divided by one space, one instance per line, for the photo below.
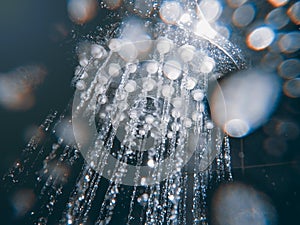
38 38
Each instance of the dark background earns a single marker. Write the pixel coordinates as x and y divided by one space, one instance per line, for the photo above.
36 31
28 35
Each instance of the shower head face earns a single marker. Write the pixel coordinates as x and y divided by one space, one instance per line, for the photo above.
154 106
147 93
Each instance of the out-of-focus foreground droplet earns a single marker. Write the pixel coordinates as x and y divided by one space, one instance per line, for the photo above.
22 201
17 86
82 11
245 101
237 204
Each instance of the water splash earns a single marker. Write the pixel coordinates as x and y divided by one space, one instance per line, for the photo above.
141 119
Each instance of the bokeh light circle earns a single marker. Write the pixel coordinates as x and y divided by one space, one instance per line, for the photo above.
289 68
291 88
260 38
290 42
277 18
236 3
243 15
236 128
294 13
278 3
170 12
212 9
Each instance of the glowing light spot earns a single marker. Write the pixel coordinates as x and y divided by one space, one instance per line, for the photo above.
97 51
152 67
198 95
186 52
294 13
149 119
82 11
211 9
83 60
236 3
278 3
170 12
190 83
164 45
243 15
187 122
172 69
207 65
260 38
128 51
185 18
289 68
177 102
114 69
143 199
151 163
236 128
132 67
202 28
291 88
167 91
115 44
290 42
148 84
277 18
130 86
